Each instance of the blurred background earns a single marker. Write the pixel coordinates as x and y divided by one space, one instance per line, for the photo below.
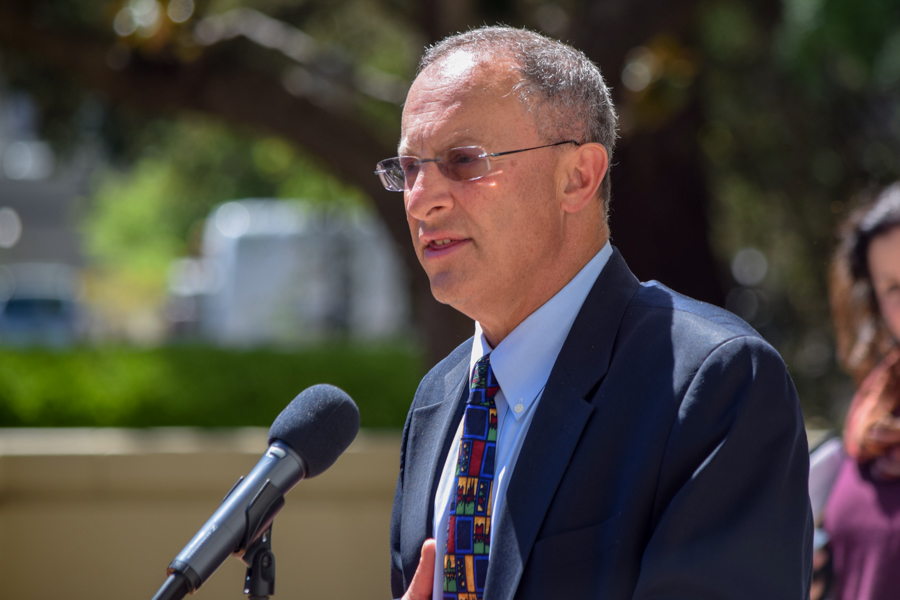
191 232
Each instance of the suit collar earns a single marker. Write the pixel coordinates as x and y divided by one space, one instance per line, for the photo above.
558 423
523 361
584 358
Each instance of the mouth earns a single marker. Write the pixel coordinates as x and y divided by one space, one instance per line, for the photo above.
442 246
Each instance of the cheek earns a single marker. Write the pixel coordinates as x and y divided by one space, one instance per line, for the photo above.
413 229
535 213
890 310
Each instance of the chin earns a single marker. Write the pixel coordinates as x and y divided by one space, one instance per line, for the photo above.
442 293
446 289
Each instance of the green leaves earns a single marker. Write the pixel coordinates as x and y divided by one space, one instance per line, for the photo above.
138 222
197 386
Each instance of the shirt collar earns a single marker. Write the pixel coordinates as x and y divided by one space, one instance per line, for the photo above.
523 360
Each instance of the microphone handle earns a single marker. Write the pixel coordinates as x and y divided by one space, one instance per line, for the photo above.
176 587
244 512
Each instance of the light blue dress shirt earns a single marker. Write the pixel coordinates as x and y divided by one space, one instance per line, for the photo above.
522 363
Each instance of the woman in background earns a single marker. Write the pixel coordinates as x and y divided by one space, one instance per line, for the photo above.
862 516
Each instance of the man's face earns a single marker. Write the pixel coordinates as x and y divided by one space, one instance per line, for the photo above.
488 244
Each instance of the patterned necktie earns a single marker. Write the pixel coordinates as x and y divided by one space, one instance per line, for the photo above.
469 531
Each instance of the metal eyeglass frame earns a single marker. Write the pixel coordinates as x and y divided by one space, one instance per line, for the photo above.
384 173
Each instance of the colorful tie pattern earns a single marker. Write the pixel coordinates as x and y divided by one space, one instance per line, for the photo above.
469 531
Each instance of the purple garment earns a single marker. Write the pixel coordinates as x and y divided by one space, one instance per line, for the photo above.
863 519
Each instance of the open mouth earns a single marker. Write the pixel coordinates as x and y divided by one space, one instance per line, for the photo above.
442 246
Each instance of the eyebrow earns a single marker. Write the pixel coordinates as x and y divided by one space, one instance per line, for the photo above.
456 141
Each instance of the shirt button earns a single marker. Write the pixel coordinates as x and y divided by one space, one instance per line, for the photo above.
519 407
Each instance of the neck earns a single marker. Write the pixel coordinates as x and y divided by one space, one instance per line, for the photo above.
498 323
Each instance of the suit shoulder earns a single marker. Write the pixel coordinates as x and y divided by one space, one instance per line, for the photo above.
654 297
673 338
694 328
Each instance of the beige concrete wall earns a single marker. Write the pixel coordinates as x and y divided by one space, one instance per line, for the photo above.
99 514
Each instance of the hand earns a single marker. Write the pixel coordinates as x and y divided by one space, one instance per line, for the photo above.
821 574
422 583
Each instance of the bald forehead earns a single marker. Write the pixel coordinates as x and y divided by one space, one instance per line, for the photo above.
455 82
460 64
468 72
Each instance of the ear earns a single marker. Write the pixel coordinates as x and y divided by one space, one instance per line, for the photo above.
583 173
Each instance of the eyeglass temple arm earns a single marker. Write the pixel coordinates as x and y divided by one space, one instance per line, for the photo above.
492 155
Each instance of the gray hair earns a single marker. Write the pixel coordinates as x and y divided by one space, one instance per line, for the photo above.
561 85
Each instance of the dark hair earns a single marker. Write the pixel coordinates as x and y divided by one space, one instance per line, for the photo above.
863 337
559 83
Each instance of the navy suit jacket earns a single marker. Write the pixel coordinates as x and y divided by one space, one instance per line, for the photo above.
667 459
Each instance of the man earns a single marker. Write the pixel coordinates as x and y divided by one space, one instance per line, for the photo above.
598 437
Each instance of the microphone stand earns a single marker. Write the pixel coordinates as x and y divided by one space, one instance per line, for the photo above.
259 583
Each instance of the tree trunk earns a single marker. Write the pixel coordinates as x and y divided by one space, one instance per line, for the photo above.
660 197
659 209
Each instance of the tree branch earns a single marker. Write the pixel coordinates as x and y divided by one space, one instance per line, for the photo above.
218 87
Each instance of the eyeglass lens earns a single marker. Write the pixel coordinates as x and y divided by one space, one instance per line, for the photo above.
457 164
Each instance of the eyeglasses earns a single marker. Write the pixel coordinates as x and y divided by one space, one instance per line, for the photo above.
457 164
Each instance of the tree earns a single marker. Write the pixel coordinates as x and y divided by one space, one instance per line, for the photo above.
318 99
745 126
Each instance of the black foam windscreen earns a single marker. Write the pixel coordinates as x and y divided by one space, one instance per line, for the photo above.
319 424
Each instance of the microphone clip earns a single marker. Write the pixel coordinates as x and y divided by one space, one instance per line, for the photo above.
261 511
259 583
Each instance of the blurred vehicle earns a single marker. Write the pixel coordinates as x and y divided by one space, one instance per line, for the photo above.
288 272
39 305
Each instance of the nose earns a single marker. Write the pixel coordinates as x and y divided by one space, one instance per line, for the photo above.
429 194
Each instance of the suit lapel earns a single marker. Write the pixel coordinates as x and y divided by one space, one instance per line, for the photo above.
431 433
455 382
556 429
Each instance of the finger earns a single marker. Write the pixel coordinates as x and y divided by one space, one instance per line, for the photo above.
422 583
820 557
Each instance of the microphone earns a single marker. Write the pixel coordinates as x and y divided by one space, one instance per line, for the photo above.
307 437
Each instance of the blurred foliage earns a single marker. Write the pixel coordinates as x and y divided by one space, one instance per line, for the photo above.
197 386
801 115
347 37
149 208
658 78
140 220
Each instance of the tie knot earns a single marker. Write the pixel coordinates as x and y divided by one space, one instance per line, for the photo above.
484 384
